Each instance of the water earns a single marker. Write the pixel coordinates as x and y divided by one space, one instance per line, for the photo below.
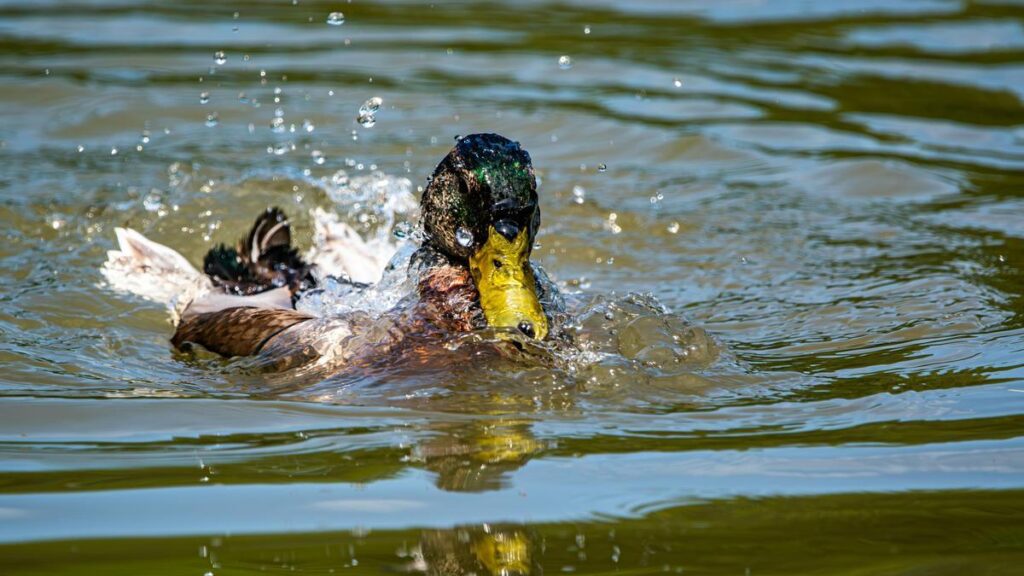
832 191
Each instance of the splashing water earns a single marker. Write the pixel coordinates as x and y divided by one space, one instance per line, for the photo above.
464 237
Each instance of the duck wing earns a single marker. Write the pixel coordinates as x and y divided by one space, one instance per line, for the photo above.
236 330
263 260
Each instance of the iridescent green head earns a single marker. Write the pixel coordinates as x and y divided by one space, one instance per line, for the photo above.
481 208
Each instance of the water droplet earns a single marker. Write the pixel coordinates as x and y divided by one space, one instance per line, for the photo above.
564 62
235 15
81 148
368 111
335 18
403 230
673 228
113 151
579 194
464 237
612 224
602 167
212 119
277 125
152 202
677 83
219 58
318 157
371 106
308 126
204 97
243 98
586 29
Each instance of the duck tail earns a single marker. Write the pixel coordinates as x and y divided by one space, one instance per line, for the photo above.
263 260
151 270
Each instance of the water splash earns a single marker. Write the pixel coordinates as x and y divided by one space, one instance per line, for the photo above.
464 237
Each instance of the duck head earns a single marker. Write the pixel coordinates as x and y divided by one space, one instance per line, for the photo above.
481 210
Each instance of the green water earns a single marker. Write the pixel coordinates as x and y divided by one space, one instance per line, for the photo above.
833 190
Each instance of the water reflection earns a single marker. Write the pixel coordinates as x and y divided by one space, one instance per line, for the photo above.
493 550
479 455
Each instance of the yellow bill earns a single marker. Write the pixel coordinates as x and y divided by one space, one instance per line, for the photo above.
508 291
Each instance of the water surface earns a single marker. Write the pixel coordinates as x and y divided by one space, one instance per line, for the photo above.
831 190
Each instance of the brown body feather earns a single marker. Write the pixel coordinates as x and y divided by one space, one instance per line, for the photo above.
239 331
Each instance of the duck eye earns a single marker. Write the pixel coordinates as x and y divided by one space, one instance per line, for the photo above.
497 263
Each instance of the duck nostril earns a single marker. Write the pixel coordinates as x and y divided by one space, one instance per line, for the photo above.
526 328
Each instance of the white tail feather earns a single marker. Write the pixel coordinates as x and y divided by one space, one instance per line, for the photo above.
152 271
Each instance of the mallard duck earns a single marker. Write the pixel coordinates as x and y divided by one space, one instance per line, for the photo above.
479 216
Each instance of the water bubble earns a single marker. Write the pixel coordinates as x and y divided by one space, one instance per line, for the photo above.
586 29
81 148
335 18
277 125
308 126
212 119
677 83
564 62
204 97
602 167
464 237
219 58
318 157
579 194
367 120
243 98
673 228
113 151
